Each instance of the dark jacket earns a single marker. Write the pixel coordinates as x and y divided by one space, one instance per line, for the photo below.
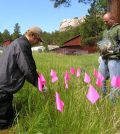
17 65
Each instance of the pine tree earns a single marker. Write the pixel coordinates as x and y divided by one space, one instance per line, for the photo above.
16 32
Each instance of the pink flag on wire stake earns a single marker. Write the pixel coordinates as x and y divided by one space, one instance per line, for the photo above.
53 76
99 82
100 76
95 73
67 76
86 78
78 72
66 79
115 82
72 70
59 103
92 95
43 79
41 82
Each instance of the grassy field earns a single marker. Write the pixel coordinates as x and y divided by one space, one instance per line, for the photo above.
37 113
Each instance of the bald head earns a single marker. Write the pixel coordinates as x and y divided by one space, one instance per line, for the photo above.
109 19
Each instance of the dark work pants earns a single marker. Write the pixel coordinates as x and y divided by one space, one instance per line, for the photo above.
6 110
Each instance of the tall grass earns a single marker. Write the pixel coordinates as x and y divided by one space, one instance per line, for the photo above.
37 113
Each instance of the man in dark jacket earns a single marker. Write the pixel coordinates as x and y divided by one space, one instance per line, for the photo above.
16 66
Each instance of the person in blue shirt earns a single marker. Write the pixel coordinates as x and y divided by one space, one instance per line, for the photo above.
110 53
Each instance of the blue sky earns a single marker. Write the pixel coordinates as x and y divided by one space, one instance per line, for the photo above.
37 13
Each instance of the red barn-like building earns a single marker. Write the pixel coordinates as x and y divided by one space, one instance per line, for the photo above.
75 41
74 46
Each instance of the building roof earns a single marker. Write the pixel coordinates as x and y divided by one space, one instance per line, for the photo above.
75 41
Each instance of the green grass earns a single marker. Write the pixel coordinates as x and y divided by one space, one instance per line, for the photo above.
36 111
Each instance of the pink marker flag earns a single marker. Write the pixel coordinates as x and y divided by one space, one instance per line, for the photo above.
59 103
42 79
53 76
86 78
92 95
41 82
66 79
95 73
100 78
72 70
99 82
115 82
78 72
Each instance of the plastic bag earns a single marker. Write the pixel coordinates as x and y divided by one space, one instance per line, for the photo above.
104 44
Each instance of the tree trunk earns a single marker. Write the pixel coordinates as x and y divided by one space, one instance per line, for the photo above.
114 6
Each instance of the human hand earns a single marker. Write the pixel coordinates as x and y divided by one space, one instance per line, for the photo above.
45 89
104 51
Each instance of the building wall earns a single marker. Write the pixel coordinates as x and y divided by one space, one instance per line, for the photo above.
38 48
75 50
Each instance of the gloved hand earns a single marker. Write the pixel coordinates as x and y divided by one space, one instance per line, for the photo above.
104 51
108 50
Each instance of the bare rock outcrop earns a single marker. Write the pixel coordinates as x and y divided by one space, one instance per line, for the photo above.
67 23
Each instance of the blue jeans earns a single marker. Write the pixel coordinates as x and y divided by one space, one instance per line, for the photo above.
109 68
